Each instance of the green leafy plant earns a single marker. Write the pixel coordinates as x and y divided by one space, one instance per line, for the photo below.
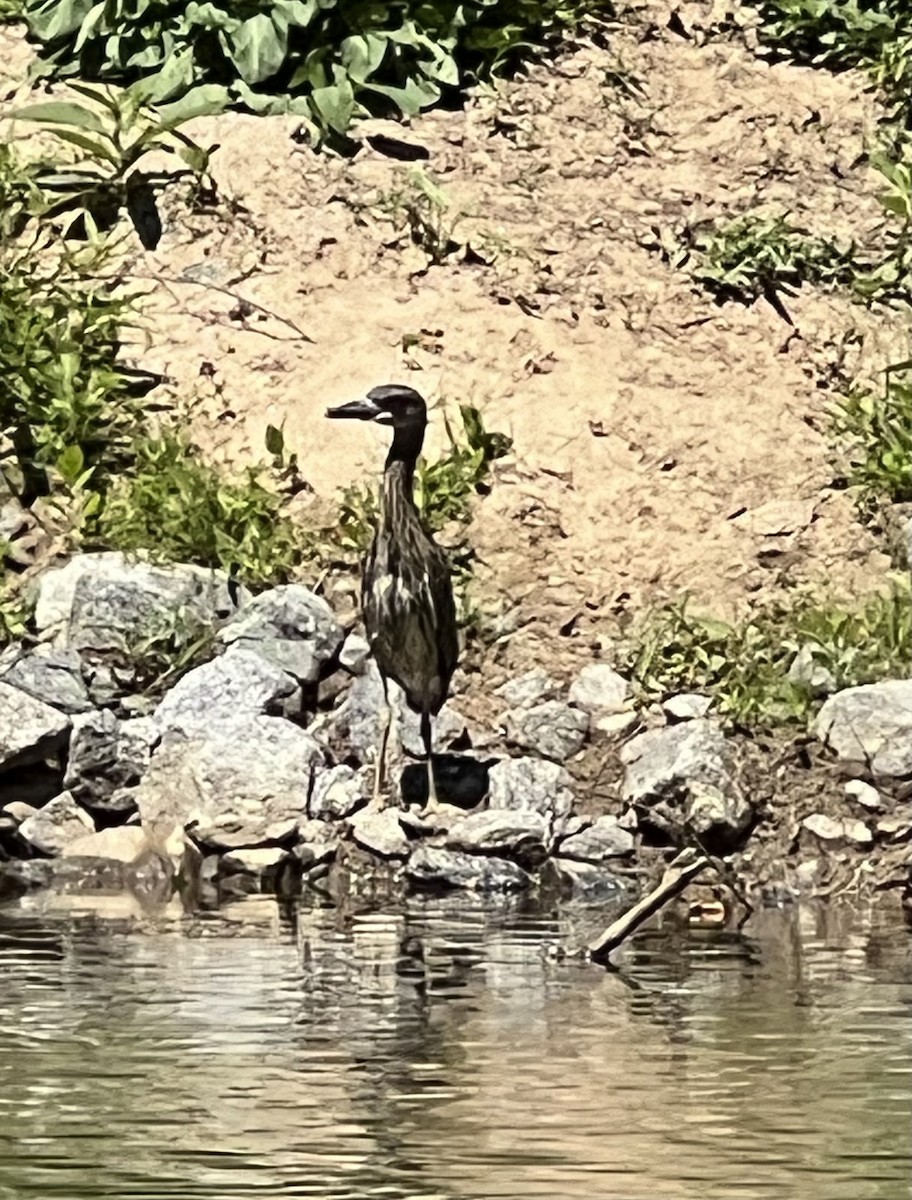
112 134
774 667
325 62
756 255
68 408
875 431
170 647
875 35
175 504
424 207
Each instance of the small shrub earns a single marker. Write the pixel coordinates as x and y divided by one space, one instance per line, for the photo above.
875 431
179 507
745 666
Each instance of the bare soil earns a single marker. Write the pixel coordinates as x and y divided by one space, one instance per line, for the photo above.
663 444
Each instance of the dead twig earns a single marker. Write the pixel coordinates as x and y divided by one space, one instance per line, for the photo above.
680 871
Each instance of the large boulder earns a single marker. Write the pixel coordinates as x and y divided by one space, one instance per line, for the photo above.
553 729
870 727
436 868
107 601
237 684
288 626
686 775
241 783
531 783
106 756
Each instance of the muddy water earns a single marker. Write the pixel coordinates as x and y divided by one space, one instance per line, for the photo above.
443 1053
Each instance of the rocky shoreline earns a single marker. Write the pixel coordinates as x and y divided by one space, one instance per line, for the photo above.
253 770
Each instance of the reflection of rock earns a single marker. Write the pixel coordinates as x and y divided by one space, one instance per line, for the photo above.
433 867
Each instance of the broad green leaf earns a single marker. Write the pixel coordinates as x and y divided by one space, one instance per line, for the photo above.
204 101
61 112
334 105
362 55
275 440
95 147
258 48
299 13
57 18
70 463
175 77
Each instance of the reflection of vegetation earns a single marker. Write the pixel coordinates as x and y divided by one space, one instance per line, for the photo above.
326 63
775 665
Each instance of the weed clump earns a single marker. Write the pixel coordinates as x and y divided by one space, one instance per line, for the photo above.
775 667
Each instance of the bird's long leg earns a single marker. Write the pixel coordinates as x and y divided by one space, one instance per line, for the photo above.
432 802
380 764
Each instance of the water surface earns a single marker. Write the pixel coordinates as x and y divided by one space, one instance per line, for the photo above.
442 1053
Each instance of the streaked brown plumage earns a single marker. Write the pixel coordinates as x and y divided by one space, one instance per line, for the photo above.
407 592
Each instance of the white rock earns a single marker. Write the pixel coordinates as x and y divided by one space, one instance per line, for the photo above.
600 689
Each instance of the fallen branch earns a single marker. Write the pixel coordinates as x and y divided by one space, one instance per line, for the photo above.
680 871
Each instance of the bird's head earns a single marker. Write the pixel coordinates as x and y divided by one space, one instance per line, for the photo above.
390 404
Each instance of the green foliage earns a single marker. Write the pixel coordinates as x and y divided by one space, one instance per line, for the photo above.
443 489
15 609
756 255
424 207
325 61
745 667
876 432
176 505
112 134
875 35
67 408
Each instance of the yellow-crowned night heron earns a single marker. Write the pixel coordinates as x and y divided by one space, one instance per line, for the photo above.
407 593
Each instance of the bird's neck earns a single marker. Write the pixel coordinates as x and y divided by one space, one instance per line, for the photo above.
399 475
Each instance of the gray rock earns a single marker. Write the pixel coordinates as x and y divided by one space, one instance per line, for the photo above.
354 653
380 833
30 731
355 725
53 827
600 689
337 793
807 672
447 726
431 867
717 813
603 840
242 783
107 601
829 829
615 725
531 783
870 726
52 676
553 729
662 760
123 844
687 706
107 755
288 626
513 832
687 773
528 689
19 810
235 685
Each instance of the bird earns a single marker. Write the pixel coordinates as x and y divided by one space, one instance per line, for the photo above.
407 596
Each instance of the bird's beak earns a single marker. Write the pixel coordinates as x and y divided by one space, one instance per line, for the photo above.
359 410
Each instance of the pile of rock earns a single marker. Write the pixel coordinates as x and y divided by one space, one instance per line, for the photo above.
255 767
